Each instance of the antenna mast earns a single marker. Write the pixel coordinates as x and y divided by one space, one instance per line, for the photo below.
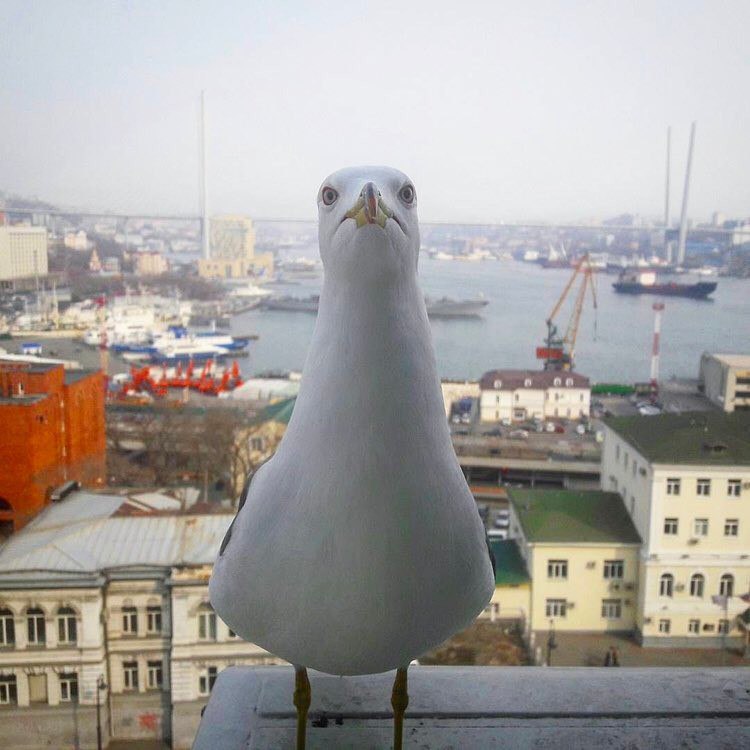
203 202
683 214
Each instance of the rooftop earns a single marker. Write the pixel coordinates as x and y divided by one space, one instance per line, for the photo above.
570 517
281 411
89 532
73 376
510 380
485 707
705 438
734 360
510 568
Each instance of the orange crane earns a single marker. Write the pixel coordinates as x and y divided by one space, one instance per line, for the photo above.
558 352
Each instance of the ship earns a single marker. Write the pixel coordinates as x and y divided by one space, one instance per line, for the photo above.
646 283
444 307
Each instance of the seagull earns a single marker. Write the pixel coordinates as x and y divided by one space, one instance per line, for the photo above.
358 546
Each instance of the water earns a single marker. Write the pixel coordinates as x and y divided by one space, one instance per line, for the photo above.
521 297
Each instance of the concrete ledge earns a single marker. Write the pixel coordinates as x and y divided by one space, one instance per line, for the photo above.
486 707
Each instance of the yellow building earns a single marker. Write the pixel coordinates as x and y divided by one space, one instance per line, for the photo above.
232 250
685 481
23 252
581 552
223 268
725 380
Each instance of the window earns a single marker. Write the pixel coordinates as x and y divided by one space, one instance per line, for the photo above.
256 443
694 626
666 585
673 486
665 626
154 675
723 628
703 487
35 627
556 607
625 460
635 467
130 620
130 675
611 609
569 382
617 452
206 680
557 569
670 526
7 628
726 585
153 619
614 568
734 487
67 631
8 692
232 634
557 381
731 527
527 383
700 527
697 582
69 687
206 623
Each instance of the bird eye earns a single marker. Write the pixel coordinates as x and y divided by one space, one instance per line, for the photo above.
406 194
329 196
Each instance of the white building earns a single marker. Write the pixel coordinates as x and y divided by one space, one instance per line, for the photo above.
100 586
685 480
725 380
519 395
23 252
76 240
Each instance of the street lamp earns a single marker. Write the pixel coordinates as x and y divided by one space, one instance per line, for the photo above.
551 642
100 685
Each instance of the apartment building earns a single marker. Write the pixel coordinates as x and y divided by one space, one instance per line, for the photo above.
725 380
581 552
102 587
23 253
685 481
519 395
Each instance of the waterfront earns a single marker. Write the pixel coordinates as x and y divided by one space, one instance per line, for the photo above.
521 296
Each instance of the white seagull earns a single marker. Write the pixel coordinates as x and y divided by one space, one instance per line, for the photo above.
358 546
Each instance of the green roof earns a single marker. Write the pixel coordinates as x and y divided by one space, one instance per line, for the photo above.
566 516
510 567
281 411
713 438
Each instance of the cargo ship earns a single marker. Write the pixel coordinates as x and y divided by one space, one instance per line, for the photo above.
646 283
445 307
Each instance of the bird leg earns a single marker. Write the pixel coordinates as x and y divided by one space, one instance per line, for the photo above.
399 701
302 698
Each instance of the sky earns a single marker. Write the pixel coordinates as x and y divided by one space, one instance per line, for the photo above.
499 111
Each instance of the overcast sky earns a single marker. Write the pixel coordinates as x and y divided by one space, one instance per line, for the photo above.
497 110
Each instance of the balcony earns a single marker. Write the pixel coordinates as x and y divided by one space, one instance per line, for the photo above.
486 707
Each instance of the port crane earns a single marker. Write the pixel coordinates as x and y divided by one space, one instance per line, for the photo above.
559 351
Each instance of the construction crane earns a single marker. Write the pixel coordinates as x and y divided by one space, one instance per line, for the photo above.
558 352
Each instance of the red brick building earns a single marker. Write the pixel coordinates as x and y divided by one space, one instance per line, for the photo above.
51 431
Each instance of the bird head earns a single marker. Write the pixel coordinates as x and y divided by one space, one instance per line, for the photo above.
368 228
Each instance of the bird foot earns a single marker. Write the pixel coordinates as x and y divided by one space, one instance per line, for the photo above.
399 701
302 700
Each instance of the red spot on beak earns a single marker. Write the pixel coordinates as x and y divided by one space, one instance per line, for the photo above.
370 194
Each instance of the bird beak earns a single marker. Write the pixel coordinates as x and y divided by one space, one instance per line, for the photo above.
369 208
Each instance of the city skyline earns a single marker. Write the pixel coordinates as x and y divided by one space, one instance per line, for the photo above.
579 132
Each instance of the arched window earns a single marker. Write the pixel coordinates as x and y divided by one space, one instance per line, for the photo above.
36 626
697 582
568 381
7 627
557 381
666 584
206 622
67 627
498 384
527 383
726 585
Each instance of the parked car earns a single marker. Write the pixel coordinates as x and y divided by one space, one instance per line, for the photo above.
466 418
581 429
494 432
497 533
505 422
518 435
549 426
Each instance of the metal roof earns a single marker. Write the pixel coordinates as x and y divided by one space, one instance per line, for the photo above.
83 534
